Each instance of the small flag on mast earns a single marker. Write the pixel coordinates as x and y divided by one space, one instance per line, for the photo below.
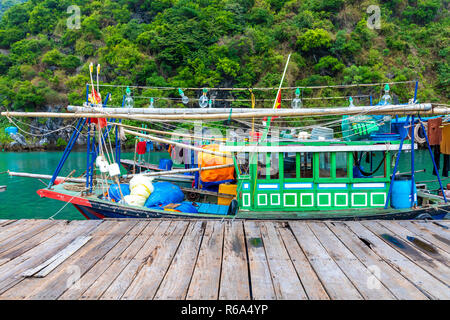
277 105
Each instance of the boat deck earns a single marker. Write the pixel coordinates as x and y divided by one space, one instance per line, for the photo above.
192 259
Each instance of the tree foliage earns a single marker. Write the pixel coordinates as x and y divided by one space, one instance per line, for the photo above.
233 43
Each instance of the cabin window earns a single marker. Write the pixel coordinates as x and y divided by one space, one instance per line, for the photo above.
243 163
341 164
306 165
290 165
372 164
262 166
325 165
274 162
268 166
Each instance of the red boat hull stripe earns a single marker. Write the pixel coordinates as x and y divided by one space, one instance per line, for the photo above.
45 193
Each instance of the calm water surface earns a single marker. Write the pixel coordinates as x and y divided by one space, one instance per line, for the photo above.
20 200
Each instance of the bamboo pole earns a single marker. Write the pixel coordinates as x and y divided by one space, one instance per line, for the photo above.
43 176
178 171
423 108
182 145
165 132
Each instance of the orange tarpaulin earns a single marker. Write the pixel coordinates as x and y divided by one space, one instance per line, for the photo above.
207 160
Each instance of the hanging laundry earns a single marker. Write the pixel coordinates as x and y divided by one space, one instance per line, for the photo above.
149 146
437 157
445 149
434 131
445 143
141 147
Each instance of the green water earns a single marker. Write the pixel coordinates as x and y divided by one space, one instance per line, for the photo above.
20 200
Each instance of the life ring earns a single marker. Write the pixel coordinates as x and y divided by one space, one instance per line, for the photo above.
417 129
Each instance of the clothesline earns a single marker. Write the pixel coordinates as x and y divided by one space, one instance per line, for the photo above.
261 89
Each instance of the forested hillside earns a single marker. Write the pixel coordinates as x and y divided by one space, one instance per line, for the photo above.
220 43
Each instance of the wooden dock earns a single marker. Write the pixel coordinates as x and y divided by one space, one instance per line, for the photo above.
179 259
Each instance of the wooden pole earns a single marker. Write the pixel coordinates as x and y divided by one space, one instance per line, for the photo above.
181 171
165 132
182 145
43 176
423 108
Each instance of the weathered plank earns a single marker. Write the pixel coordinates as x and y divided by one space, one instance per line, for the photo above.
18 227
286 283
418 242
22 247
390 277
175 284
434 267
429 285
311 282
206 277
24 235
66 275
121 283
152 272
438 229
48 266
77 287
94 283
367 283
260 277
234 281
426 234
10 271
336 283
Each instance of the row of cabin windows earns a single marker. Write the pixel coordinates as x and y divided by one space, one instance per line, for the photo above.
268 165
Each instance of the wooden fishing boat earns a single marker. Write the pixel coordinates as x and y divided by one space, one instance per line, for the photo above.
297 180
303 179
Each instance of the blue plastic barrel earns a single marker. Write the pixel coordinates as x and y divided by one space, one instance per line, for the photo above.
165 164
401 192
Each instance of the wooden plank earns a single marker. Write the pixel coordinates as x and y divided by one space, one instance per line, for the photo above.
311 282
336 283
48 266
206 277
429 285
445 233
97 279
18 227
9 272
121 283
418 242
21 248
19 238
234 281
152 272
426 234
54 285
434 267
175 284
368 285
6 222
260 277
286 283
400 286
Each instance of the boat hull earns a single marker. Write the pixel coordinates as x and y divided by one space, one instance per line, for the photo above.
91 208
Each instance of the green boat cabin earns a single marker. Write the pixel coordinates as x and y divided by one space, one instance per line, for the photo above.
312 175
